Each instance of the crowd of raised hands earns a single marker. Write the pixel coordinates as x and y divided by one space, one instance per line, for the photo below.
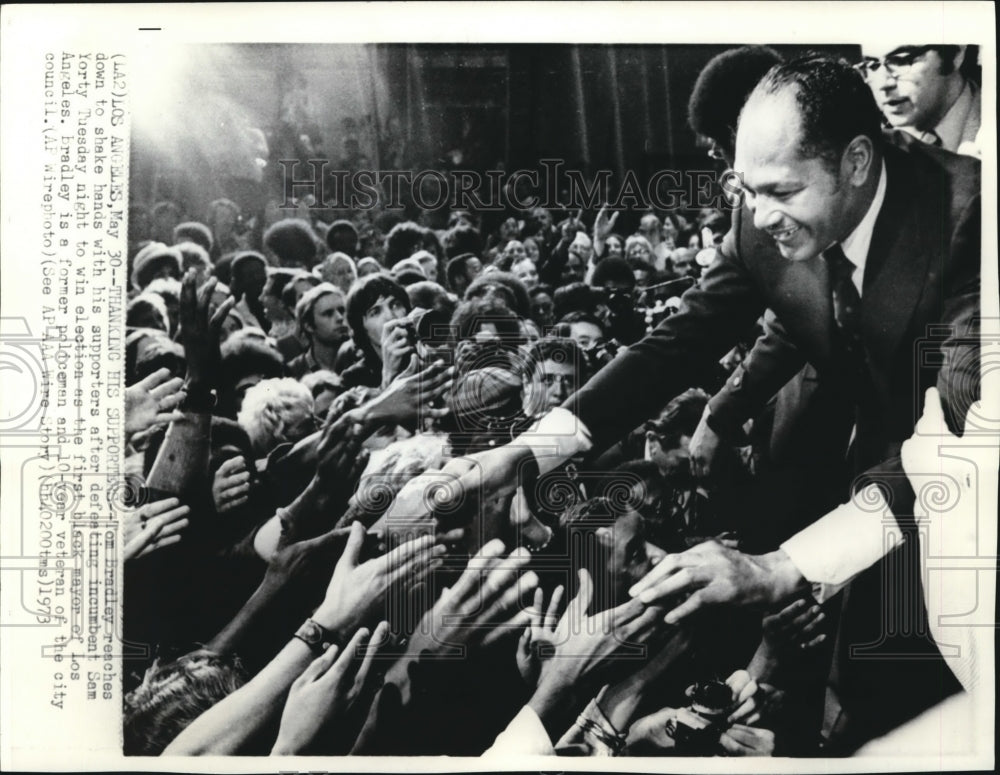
329 603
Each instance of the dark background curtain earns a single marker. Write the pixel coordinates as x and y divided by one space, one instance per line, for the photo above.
423 106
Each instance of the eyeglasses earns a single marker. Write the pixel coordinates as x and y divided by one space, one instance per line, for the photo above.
896 64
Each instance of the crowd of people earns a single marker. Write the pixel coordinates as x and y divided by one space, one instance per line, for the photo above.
534 488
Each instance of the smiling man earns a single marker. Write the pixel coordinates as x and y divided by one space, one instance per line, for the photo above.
861 250
921 89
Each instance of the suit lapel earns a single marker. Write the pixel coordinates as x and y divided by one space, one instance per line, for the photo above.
896 267
794 281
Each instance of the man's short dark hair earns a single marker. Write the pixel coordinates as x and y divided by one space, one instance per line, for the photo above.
612 270
721 89
575 296
288 292
577 316
455 268
402 241
292 240
342 236
947 55
835 104
462 238
513 289
558 349
580 316
473 313
239 267
680 417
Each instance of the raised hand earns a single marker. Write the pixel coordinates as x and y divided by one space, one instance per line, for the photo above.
585 642
322 698
483 603
397 348
358 591
231 485
604 224
541 630
796 625
154 526
199 329
411 394
303 563
572 225
339 459
152 401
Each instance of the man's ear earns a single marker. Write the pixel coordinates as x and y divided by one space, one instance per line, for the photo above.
858 160
604 535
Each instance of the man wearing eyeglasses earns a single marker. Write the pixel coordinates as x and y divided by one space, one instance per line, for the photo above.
921 90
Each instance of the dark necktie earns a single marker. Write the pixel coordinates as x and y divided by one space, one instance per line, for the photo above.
846 302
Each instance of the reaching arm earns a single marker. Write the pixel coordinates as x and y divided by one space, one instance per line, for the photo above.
182 462
773 361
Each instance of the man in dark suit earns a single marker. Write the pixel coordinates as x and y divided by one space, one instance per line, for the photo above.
829 207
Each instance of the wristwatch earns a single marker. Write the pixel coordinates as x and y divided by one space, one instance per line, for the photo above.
198 399
315 636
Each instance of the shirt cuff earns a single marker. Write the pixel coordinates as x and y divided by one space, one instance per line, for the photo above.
555 438
525 735
851 538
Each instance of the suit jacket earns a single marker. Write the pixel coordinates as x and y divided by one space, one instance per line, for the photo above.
921 291
922 276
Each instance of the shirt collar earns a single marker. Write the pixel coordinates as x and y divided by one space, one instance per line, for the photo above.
855 246
951 128
952 125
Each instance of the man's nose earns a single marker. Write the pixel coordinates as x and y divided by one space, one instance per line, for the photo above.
654 553
883 79
765 215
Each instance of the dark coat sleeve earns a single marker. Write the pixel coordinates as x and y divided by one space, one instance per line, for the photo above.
773 361
713 315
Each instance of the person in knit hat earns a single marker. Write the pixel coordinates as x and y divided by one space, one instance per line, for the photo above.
154 261
193 231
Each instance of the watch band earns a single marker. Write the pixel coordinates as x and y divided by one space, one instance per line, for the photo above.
198 400
317 637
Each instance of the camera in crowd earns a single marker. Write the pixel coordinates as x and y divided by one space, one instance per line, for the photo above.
619 302
696 729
